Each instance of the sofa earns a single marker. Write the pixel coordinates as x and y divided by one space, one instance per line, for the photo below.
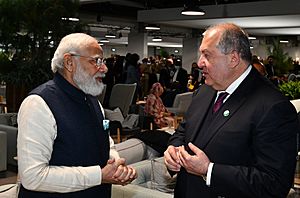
136 191
153 179
3 152
8 122
138 155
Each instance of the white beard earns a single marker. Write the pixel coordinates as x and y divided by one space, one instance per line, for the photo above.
88 84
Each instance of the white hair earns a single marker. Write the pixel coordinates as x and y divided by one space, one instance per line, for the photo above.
70 43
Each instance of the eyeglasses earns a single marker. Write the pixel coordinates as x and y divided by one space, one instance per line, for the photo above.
97 61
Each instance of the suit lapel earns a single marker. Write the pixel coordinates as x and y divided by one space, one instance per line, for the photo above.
199 107
225 114
227 111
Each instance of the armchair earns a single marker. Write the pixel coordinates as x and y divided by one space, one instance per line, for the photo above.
121 96
11 133
119 132
102 95
3 148
296 104
8 122
181 103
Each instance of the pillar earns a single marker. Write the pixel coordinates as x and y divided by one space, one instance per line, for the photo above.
190 52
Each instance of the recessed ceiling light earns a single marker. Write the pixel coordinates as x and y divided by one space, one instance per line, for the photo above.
157 39
152 27
70 19
251 37
110 35
104 41
283 41
192 10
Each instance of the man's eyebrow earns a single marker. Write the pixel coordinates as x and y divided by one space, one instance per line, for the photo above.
204 51
97 56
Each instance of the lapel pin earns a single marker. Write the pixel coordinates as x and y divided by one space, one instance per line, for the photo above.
226 113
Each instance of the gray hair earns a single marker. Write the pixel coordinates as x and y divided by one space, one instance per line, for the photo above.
233 38
70 43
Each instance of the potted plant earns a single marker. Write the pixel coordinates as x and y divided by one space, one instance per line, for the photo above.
30 31
291 89
283 62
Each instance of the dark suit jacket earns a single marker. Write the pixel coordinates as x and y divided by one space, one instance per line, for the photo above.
253 148
182 78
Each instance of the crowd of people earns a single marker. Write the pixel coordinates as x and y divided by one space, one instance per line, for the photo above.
174 78
268 67
149 70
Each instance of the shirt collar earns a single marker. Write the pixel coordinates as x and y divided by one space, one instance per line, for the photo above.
233 86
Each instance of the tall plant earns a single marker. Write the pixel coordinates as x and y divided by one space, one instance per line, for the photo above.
283 62
30 31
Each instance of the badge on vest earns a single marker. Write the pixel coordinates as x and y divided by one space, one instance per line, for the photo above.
105 124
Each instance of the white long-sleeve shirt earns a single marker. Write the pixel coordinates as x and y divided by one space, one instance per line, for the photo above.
37 131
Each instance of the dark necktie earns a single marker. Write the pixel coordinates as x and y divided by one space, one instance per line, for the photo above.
219 101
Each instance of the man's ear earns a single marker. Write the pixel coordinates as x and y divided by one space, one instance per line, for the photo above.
68 62
234 59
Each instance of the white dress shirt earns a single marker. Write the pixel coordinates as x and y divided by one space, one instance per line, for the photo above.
37 131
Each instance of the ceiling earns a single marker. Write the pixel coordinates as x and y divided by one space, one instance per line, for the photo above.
257 17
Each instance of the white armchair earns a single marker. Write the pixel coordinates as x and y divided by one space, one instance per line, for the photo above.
296 104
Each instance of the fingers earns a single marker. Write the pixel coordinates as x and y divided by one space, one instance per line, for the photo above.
107 172
111 161
194 163
130 176
120 161
184 156
124 174
171 158
195 149
116 172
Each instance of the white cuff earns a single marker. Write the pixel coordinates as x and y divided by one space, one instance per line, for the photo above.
209 172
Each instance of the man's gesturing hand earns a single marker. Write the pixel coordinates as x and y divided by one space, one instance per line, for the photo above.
171 157
195 164
116 172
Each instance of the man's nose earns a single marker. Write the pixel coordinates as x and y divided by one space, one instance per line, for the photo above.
103 68
200 63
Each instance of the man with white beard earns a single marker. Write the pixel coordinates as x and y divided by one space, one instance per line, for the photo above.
64 149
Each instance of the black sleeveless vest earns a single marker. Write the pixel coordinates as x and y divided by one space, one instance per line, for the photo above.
81 139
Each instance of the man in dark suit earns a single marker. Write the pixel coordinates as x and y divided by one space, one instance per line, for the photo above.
247 148
180 78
